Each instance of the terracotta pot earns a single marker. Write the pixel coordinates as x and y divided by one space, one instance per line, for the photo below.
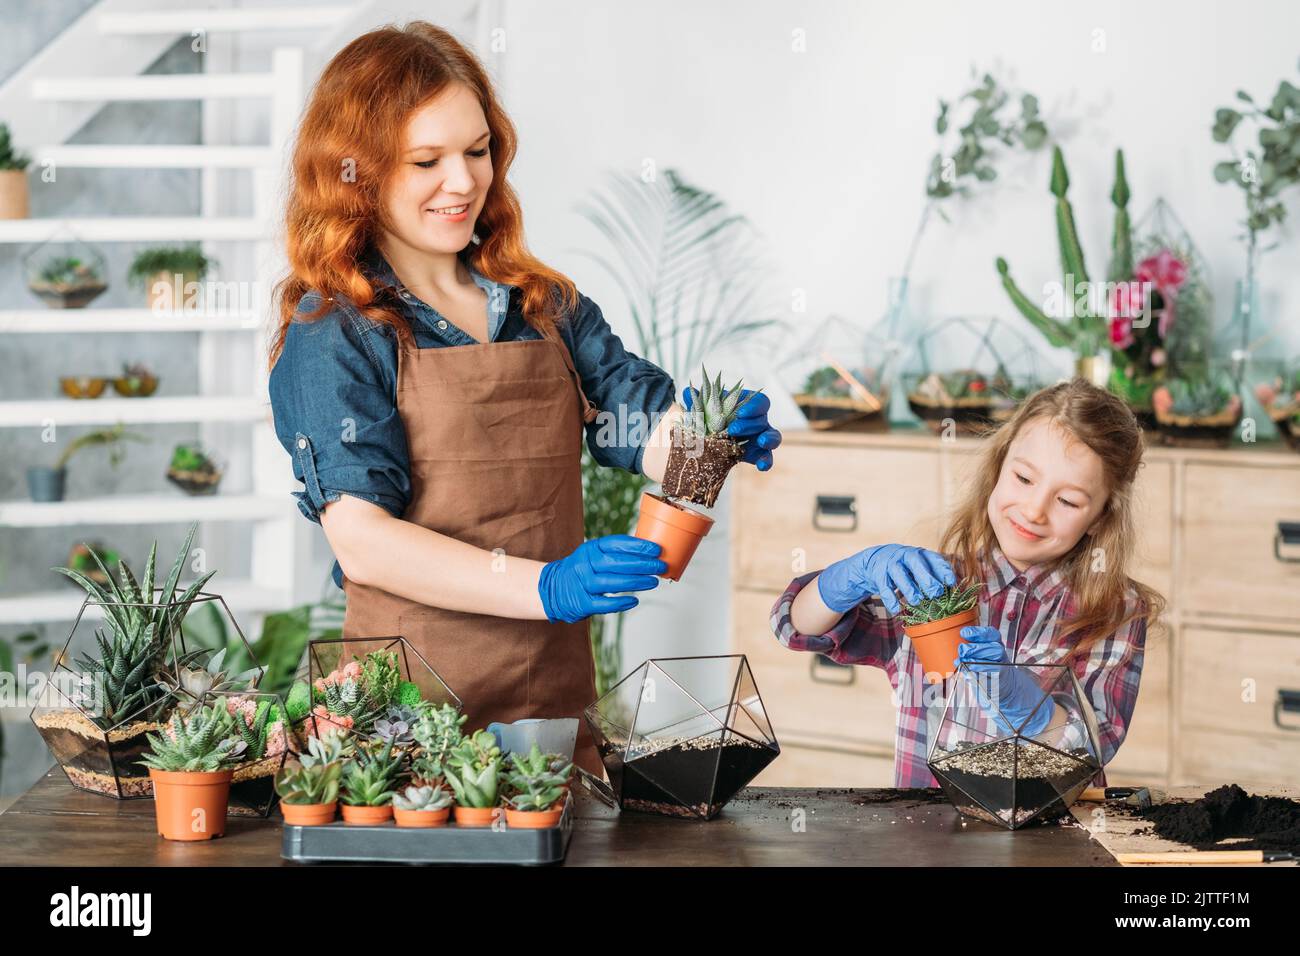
936 643
191 806
308 814
13 194
162 288
422 818
476 816
676 529
534 819
367 816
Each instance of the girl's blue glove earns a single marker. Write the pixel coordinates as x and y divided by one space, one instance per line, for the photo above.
882 570
1017 691
751 427
575 587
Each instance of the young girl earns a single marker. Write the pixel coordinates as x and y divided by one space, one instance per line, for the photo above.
1047 528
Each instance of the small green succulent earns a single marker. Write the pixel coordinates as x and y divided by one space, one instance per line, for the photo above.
473 769
437 731
333 746
422 798
537 780
713 407
371 776
954 600
203 742
300 784
395 726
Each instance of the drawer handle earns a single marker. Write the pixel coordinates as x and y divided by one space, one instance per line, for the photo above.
822 669
1289 701
839 506
1288 533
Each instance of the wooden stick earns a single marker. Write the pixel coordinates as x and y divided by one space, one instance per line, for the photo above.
1194 857
855 386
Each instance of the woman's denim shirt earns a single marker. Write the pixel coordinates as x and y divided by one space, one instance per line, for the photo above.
334 390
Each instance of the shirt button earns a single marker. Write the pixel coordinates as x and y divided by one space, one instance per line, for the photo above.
442 325
1011 615
404 294
302 443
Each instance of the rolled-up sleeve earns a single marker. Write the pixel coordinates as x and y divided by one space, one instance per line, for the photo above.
335 412
629 391
866 634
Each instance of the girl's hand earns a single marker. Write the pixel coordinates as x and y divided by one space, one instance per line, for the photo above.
751 427
916 573
1010 694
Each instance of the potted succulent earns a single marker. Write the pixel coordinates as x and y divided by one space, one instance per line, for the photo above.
190 764
67 282
933 625
436 732
473 769
1281 399
13 178
1196 413
699 460
422 806
538 787
159 270
136 381
47 484
369 779
309 787
193 470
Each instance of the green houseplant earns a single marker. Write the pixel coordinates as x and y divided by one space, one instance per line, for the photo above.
159 270
49 484
194 471
473 769
191 764
369 779
13 177
537 785
933 625
309 787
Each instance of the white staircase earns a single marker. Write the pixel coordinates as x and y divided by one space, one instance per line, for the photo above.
111 43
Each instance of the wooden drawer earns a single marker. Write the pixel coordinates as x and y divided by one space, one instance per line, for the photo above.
1144 754
896 493
1214 696
1213 759
1231 518
814 767
808 699
1153 516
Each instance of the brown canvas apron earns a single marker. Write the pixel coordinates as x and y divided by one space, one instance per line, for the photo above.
494 431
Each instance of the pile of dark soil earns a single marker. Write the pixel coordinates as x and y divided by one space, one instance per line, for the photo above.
1265 823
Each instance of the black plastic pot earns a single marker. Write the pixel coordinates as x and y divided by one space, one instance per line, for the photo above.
46 484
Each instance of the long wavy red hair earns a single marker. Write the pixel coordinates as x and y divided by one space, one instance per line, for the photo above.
355 122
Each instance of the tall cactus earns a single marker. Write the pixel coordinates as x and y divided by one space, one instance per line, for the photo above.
1081 333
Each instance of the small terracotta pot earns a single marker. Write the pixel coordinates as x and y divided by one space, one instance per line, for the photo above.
936 643
676 529
476 816
422 818
13 194
191 806
535 819
367 816
308 814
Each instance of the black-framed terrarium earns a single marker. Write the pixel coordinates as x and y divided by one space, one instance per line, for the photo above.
65 273
372 687
968 375
1011 769
681 736
840 376
194 470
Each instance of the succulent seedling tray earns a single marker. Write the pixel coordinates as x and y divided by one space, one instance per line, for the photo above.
340 842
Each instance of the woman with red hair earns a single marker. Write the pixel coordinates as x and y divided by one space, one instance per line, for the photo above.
432 381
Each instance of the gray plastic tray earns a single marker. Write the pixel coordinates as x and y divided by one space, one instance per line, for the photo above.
340 842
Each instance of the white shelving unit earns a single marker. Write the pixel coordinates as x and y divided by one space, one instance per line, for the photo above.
231 404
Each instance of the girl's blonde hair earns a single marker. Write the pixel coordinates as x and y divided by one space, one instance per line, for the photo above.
1101 588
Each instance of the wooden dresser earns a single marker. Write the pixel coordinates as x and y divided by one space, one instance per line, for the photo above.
1220 692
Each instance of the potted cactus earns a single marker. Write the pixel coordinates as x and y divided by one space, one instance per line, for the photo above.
422 806
473 769
538 786
933 625
194 471
369 780
136 381
436 732
191 765
1196 413
309 787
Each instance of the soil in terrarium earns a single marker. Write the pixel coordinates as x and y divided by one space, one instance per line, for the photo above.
650 782
1229 813
1043 776
83 750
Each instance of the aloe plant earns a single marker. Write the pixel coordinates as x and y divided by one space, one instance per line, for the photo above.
201 742
713 407
953 600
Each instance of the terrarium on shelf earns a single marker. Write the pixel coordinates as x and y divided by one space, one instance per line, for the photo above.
840 376
1009 768
970 374
65 274
681 736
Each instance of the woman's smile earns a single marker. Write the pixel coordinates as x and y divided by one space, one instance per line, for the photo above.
451 213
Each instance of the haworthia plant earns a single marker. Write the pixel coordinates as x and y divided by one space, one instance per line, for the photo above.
714 407
953 600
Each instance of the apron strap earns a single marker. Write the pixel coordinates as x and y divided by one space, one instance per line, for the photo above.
589 411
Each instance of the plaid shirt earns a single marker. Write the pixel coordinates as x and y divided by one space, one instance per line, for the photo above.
1024 607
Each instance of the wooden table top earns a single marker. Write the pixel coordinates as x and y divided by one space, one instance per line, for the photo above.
54 824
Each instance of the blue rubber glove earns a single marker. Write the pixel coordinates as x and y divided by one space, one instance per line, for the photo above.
1017 691
882 570
751 427
576 587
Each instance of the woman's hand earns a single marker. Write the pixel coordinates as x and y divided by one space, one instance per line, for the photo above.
1009 694
750 427
882 570
576 587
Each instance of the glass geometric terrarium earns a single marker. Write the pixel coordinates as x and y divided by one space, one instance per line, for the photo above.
970 374
993 767
65 274
841 375
118 676
681 736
